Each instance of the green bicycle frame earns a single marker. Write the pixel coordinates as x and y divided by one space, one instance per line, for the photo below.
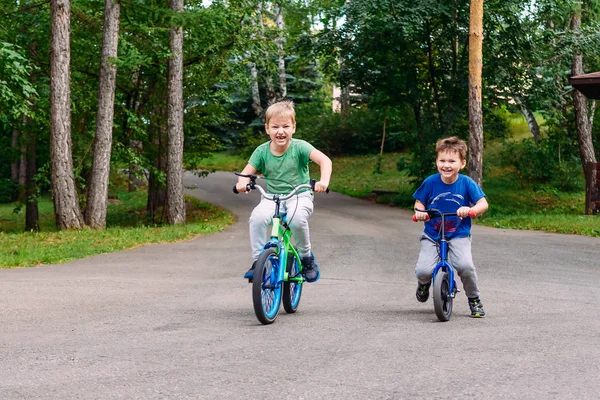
281 236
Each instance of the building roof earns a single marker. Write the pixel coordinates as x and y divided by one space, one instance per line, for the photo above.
588 84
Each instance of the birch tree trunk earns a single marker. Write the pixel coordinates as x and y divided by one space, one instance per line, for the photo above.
175 204
280 53
256 104
95 214
534 127
66 204
475 113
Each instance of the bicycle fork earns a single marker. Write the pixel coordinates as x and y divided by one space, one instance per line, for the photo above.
446 267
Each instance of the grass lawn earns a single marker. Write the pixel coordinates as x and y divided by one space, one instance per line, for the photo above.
125 229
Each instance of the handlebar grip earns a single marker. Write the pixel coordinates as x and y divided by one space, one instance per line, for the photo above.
472 214
235 190
414 218
312 183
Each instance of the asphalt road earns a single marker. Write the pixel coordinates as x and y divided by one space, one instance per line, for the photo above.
175 321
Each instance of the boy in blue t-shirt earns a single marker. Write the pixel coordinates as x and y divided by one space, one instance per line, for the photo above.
449 191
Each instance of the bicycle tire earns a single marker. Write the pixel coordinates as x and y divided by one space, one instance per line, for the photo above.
442 299
292 291
266 291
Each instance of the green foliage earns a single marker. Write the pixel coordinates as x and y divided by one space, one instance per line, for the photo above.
359 133
17 93
543 164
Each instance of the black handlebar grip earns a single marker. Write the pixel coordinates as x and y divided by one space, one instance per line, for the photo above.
312 183
235 190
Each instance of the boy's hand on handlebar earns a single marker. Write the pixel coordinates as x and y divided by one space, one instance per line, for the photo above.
321 186
464 212
241 187
420 216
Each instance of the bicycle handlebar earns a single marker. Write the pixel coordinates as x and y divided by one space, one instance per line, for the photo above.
433 213
252 185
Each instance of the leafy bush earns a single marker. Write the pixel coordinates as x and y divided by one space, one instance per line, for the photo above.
544 165
8 190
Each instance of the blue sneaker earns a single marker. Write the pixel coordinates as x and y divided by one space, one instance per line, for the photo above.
250 273
310 269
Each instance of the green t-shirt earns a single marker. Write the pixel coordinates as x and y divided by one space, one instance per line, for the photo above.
287 171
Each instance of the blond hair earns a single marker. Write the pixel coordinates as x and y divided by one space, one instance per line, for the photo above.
453 144
281 109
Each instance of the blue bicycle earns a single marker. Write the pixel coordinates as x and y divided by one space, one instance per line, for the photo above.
278 273
443 283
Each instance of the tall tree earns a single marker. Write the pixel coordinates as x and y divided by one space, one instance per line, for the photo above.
95 213
175 204
580 103
475 110
66 203
280 41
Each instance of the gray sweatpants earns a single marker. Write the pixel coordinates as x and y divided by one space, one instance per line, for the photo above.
460 257
298 209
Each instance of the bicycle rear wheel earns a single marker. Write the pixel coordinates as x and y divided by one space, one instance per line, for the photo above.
292 290
266 291
442 298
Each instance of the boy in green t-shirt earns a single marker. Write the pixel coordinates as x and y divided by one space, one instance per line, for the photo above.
284 162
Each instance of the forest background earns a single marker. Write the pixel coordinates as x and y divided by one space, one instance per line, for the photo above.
375 85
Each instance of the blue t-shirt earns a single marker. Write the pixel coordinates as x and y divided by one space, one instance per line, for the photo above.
434 193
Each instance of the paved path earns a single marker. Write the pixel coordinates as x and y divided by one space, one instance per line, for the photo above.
175 321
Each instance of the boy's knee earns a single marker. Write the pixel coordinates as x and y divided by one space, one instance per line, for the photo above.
258 219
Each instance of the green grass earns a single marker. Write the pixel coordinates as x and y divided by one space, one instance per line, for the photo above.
126 228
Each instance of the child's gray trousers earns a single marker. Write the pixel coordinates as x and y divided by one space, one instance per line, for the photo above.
460 257
298 209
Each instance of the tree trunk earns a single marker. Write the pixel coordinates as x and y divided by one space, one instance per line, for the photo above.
475 113
434 86
584 128
534 128
256 104
98 189
66 203
175 204
14 165
345 90
387 110
280 53
31 208
156 182
22 167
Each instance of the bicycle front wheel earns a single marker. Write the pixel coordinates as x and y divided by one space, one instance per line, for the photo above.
266 291
292 290
442 298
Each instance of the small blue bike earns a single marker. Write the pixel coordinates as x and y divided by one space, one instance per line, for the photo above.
278 273
443 283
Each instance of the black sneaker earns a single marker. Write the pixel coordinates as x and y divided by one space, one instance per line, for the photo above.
250 273
310 269
423 291
476 308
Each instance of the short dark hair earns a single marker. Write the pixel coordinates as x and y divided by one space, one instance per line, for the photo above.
452 144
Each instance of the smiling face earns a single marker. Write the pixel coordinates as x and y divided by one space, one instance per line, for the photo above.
280 129
449 163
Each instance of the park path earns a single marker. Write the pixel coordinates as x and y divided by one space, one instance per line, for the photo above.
175 321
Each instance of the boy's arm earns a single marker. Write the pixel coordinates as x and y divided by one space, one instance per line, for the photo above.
420 216
480 207
242 181
325 165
